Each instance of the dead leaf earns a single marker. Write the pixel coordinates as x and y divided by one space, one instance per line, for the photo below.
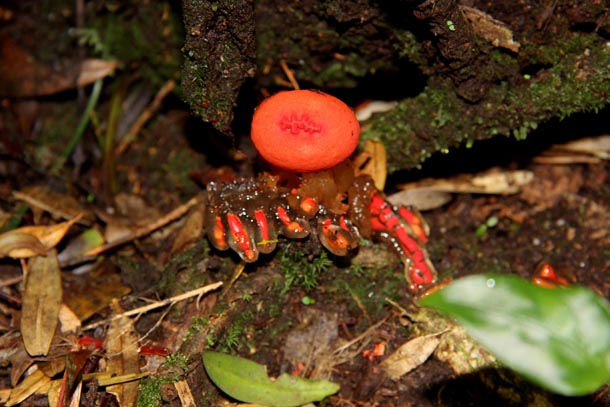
20 245
30 241
190 232
423 198
88 294
41 303
492 181
589 150
375 163
25 76
27 387
4 395
410 355
365 110
69 321
93 69
53 391
15 354
122 348
53 367
492 30
108 379
77 247
58 204
312 342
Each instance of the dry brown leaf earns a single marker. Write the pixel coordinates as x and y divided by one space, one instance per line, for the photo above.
93 69
41 303
88 294
20 361
424 199
25 76
121 346
493 181
20 245
75 249
27 387
410 355
59 205
492 30
53 366
4 395
590 150
190 232
376 163
110 379
365 110
69 321
53 392
433 193
30 241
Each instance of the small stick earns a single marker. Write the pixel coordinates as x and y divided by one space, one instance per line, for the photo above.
144 117
11 281
236 273
170 217
157 304
363 335
289 74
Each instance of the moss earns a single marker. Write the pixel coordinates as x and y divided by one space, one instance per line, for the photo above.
438 119
301 270
149 394
176 363
143 35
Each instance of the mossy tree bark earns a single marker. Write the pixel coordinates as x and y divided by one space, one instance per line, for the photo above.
487 69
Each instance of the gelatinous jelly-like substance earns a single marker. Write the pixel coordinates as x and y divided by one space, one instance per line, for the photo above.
247 216
296 124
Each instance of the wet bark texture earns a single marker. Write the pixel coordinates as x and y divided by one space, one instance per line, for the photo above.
462 71
220 54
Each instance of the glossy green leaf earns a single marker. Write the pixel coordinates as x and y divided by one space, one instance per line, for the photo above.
558 338
247 381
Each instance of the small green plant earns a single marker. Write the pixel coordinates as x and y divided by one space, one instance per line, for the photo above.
230 341
300 270
557 338
178 364
247 381
490 223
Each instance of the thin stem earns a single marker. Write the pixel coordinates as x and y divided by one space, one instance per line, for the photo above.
80 129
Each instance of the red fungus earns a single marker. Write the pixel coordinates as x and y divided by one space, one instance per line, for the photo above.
304 130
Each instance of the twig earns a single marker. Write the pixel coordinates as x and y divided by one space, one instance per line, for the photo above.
289 74
144 117
363 335
11 281
170 217
157 304
236 273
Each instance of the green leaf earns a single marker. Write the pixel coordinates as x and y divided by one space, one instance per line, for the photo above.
247 381
558 338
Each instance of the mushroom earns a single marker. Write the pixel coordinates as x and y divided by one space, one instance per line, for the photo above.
304 130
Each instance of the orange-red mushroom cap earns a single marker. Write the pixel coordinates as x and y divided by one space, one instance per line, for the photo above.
304 130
